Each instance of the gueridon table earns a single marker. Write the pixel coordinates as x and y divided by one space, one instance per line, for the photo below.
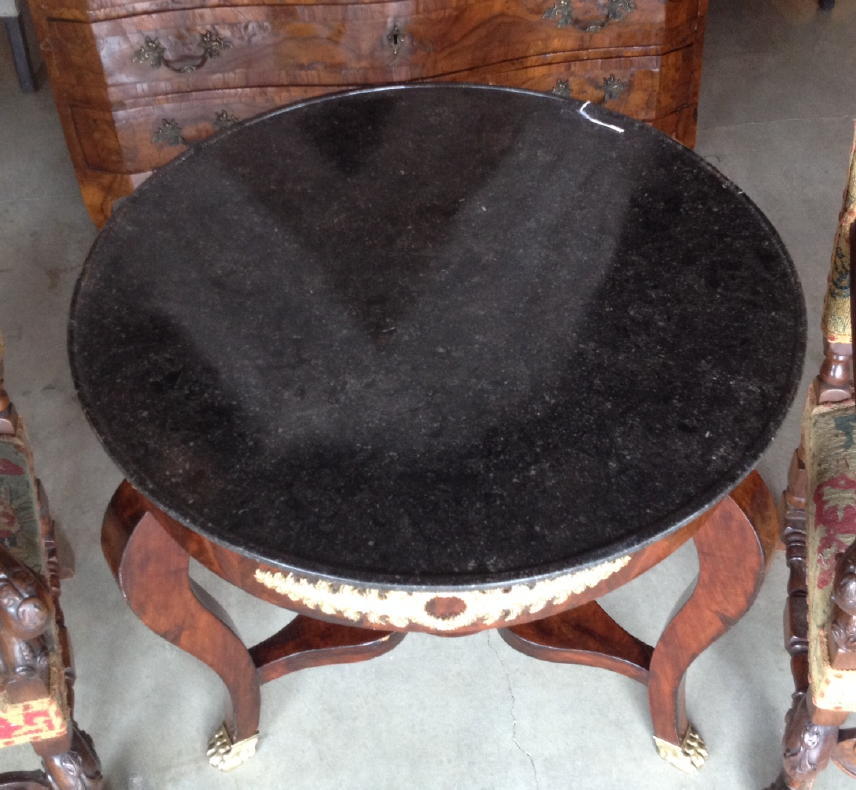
441 359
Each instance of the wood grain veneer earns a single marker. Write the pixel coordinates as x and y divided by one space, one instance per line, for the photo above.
137 82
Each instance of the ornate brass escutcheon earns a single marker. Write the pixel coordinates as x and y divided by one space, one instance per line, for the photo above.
224 119
154 53
168 133
396 39
562 88
563 13
611 86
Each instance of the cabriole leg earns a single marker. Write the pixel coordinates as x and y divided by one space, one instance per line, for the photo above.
153 574
732 544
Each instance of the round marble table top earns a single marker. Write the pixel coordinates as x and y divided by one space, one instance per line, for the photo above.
437 335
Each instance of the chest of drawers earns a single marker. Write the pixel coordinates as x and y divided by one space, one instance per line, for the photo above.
137 82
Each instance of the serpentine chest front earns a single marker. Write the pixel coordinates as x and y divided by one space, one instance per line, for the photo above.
137 82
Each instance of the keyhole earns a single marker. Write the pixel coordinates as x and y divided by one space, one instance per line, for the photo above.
396 39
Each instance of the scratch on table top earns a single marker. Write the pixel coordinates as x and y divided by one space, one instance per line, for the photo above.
582 111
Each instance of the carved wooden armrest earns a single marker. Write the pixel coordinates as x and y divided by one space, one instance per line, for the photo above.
842 629
26 609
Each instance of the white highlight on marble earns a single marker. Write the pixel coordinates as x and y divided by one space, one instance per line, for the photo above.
582 111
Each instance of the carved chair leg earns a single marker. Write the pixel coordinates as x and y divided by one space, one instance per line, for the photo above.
811 736
71 763
794 540
732 545
153 573
796 606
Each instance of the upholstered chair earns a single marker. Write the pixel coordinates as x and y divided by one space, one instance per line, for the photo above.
35 661
819 532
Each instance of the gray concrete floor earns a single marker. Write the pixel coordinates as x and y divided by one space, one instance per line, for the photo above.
777 108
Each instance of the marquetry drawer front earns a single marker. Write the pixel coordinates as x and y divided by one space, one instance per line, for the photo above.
135 139
346 44
645 88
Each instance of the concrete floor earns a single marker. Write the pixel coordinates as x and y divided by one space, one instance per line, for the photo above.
778 99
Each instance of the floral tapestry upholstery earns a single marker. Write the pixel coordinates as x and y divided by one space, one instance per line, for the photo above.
830 446
36 719
20 516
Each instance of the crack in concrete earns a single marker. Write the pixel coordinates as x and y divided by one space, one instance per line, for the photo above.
513 716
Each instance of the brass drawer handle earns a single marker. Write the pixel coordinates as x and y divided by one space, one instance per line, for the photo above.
154 53
611 86
562 88
563 13
170 132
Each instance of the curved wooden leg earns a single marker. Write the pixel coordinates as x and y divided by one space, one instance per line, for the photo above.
733 543
153 573
584 635
306 642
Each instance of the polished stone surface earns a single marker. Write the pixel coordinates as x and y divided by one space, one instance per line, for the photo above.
437 335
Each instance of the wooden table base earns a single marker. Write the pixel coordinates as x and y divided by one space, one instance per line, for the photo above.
149 554
732 559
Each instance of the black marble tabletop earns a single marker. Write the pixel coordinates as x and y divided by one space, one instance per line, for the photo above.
437 335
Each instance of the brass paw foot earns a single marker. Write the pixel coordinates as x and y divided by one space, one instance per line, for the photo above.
225 755
689 756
